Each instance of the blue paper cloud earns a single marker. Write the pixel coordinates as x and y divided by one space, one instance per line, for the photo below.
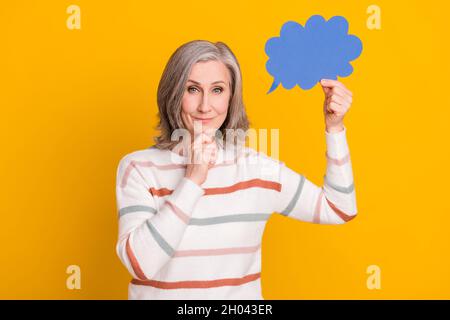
304 55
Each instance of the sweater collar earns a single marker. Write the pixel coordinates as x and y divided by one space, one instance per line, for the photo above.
226 153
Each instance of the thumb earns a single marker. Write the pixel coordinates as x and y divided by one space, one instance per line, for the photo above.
325 89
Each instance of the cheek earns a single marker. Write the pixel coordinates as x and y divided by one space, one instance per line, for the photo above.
222 111
221 104
189 103
187 107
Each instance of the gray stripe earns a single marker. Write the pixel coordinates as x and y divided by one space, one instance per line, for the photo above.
130 209
348 189
294 200
160 240
229 218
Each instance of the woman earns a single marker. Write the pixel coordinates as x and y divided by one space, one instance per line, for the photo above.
192 208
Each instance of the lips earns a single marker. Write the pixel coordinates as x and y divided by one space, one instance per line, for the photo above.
202 118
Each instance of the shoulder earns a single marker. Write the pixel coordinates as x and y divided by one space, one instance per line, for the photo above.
150 154
261 157
266 167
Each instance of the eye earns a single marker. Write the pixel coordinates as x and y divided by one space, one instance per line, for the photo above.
220 89
189 89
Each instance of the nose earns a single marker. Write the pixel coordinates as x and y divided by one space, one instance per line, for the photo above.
204 105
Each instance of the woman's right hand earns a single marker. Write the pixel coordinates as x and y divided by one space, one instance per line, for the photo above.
202 157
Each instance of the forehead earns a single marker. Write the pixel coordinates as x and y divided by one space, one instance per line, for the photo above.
207 72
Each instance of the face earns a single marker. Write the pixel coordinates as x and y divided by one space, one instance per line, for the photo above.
206 96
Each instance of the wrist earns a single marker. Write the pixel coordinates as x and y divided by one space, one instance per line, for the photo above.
334 129
193 179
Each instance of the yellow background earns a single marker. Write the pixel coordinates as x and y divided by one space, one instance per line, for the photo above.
74 102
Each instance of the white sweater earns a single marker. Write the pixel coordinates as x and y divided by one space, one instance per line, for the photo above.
179 240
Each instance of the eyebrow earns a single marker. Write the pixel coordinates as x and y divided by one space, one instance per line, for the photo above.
211 82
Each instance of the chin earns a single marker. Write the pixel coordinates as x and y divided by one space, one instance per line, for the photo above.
206 125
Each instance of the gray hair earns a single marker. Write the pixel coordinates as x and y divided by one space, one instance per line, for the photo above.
173 81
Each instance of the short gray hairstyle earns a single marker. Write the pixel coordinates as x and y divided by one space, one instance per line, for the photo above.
173 81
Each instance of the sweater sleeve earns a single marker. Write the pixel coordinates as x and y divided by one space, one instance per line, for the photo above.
148 236
332 203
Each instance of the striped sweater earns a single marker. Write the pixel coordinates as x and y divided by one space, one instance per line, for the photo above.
179 240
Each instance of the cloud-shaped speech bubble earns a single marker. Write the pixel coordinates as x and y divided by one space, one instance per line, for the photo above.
304 55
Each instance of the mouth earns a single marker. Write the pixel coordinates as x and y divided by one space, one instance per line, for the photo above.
203 120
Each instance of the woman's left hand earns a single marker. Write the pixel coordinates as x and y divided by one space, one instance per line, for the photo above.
337 102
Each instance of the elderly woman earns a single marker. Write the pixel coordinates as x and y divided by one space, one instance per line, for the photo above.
193 207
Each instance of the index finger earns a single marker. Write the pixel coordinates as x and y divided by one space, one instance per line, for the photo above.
209 131
202 138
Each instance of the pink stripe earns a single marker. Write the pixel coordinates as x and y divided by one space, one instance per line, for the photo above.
133 261
338 162
180 214
133 165
316 218
149 163
216 252
130 167
198 283
159 166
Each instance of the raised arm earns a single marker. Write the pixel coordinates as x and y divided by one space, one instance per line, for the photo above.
332 203
148 236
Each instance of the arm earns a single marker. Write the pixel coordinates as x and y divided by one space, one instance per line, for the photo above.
147 236
334 202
